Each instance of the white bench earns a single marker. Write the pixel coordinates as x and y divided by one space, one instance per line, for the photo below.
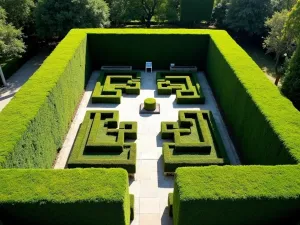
116 67
184 68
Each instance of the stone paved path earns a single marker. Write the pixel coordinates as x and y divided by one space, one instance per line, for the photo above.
149 185
16 81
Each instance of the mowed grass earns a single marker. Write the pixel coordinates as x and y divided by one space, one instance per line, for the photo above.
263 60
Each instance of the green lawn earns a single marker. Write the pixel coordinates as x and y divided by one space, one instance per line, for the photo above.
264 61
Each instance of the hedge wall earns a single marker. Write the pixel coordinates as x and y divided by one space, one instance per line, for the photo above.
64 197
134 48
234 195
195 10
264 125
35 122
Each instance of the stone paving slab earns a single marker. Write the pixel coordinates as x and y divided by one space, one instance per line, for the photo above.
150 186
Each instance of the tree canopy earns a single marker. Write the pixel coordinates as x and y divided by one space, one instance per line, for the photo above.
55 18
248 15
11 44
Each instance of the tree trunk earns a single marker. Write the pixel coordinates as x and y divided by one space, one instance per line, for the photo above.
148 22
276 71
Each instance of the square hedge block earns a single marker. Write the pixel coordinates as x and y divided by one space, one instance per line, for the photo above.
112 84
184 84
195 141
99 143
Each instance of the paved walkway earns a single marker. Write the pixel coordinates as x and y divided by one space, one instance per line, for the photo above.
16 81
149 186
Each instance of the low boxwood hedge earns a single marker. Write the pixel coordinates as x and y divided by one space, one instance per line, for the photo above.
111 85
237 195
150 104
100 144
76 196
184 84
195 141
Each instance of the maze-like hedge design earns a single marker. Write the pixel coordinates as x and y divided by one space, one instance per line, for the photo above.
184 84
99 143
196 141
112 84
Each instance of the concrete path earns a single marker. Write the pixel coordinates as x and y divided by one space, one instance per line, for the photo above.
16 81
150 186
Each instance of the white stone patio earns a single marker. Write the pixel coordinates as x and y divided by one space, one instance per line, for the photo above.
149 186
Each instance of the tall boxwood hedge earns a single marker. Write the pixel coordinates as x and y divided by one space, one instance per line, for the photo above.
234 195
35 122
64 197
134 48
264 124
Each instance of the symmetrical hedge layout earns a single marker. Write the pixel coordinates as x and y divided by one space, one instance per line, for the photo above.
184 84
64 197
235 195
196 141
263 124
100 144
111 85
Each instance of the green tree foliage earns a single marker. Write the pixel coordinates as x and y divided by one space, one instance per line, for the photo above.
168 11
292 26
274 41
248 15
119 11
54 18
149 7
291 84
19 12
279 5
219 13
11 43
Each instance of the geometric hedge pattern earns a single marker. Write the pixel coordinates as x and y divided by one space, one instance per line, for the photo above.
183 84
99 143
111 85
195 141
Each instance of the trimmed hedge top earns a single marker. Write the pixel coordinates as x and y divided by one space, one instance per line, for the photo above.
17 116
63 186
255 182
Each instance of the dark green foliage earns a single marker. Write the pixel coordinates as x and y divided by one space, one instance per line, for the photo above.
100 144
34 124
55 18
131 207
195 10
236 195
111 85
219 13
263 124
150 104
160 47
291 83
170 204
64 197
184 84
19 12
248 15
195 141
